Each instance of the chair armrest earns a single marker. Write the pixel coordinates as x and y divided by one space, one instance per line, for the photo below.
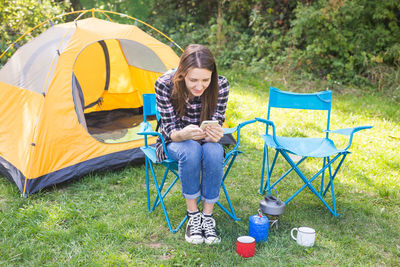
237 129
269 123
230 130
145 127
242 124
349 131
148 131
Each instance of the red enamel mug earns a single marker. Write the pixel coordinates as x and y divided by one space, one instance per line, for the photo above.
245 246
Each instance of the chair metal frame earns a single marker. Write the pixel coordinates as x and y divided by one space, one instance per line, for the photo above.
287 145
171 166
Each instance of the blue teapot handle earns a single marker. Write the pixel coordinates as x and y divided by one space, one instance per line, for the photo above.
277 195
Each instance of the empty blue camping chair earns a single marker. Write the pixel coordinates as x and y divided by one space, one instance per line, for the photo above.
171 166
304 147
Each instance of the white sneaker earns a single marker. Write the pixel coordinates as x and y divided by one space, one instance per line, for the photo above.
194 233
209 232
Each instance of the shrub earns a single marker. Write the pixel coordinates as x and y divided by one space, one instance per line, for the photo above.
342 39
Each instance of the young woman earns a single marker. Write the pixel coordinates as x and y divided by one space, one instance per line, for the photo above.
186 97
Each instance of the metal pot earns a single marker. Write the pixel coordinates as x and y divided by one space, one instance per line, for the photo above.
271 205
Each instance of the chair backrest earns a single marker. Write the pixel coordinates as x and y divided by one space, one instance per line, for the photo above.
308 101
150 106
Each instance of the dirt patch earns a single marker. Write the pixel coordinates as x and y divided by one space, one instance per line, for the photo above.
165 257
156 245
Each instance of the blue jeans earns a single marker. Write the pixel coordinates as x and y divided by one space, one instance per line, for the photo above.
194 158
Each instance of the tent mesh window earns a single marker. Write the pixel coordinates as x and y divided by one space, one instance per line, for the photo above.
108 80
114 126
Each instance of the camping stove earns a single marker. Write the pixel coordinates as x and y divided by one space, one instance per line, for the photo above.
272 207
273 221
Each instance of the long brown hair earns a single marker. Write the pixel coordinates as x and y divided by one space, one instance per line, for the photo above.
195 56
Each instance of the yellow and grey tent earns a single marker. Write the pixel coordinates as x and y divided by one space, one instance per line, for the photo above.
59 92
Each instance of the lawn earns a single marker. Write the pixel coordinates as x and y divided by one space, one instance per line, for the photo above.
102 219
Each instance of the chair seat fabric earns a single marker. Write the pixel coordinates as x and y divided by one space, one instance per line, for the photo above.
304 146
150 152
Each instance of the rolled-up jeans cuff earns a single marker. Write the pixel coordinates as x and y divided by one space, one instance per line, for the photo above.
193 196
210 200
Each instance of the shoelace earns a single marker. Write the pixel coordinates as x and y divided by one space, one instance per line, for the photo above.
195 223
208 226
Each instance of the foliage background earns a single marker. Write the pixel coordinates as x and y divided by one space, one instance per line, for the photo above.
349 46
356 42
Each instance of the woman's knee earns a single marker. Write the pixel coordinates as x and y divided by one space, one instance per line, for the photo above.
190 151
213 152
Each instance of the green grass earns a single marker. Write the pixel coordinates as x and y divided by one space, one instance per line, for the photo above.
102 219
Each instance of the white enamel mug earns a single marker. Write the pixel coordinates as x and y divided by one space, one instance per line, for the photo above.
305 236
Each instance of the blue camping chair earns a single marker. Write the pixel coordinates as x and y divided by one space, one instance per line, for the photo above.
304 147
149 109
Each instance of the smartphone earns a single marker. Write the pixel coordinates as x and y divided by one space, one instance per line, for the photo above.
204 124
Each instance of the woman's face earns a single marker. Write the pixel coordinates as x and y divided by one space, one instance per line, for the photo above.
197 80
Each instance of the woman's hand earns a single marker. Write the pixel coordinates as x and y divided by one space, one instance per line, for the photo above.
214 133
190 132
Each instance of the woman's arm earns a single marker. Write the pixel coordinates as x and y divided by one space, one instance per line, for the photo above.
169 120
190 132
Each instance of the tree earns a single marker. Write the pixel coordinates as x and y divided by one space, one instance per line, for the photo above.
19 16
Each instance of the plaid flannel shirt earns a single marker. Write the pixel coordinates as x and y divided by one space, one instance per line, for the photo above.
171 121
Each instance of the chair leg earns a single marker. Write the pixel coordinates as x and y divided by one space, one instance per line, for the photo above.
307 183
147 184
285 174
157 201
322 176
267 186
160 200
160 196
334 175
265 161
270 170
231 211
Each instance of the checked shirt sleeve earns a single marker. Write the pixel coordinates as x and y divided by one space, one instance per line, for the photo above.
169 120
223 93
